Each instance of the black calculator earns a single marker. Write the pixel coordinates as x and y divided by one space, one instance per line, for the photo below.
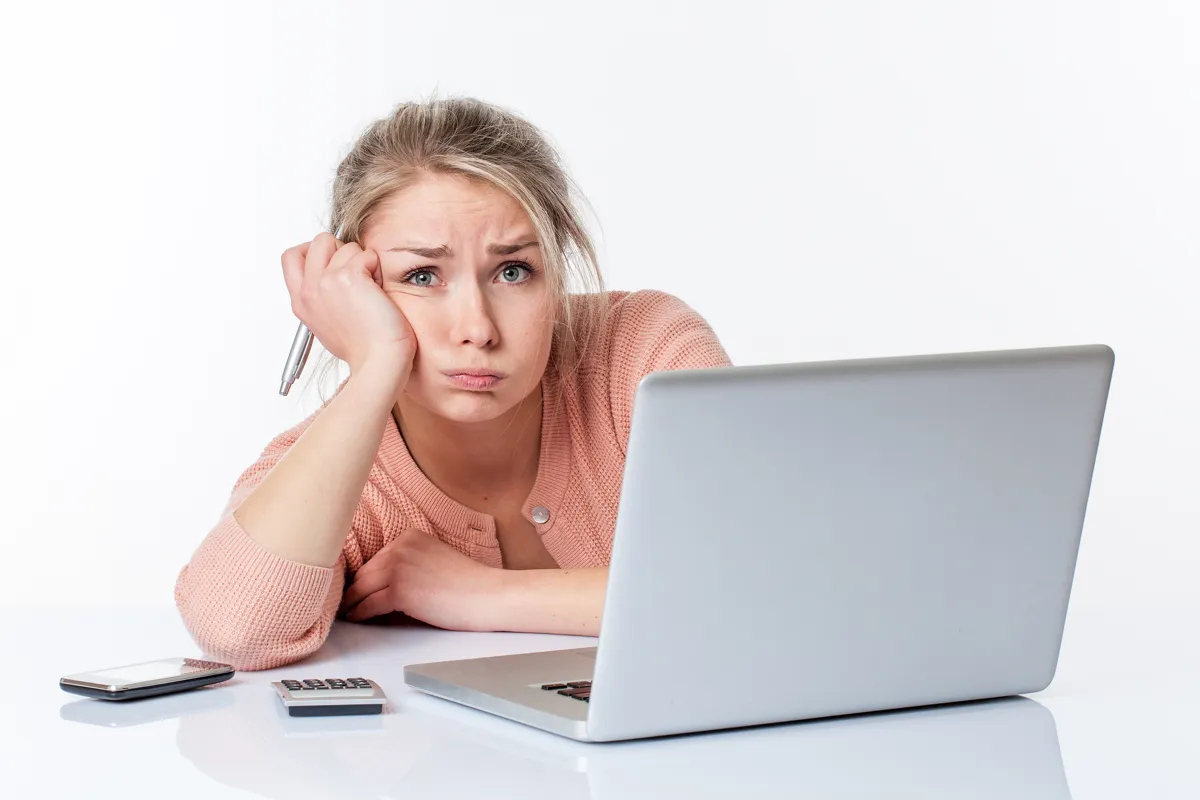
327 697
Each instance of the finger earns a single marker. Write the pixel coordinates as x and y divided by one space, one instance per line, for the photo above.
369 260
364 262
380 562
293 268
345 254
364 585
383 554
372 606
319 253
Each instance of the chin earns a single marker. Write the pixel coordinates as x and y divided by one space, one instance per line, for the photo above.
466 407
472 410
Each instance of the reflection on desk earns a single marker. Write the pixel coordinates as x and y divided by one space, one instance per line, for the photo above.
242 738
123 714
1125 703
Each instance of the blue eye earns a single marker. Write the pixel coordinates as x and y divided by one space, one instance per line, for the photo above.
515 266
509 268
405 279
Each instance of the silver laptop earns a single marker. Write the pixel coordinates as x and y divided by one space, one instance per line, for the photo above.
807 540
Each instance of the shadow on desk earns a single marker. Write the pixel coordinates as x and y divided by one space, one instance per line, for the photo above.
377 641
241 737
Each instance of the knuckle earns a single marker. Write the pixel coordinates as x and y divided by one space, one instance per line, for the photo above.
297 250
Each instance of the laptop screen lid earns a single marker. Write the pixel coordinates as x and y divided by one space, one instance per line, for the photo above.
805 540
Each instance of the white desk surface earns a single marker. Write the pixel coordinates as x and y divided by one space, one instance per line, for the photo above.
1121 720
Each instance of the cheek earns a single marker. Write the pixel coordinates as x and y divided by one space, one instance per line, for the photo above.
534 316
532 328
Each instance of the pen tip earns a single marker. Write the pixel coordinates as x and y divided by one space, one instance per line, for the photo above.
284 386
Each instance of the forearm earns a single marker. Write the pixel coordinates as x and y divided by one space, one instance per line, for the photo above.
303 507
566 601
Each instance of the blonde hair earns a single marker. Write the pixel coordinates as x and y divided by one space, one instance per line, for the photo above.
468 137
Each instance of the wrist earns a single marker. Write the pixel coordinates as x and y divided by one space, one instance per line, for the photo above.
494 601
389 369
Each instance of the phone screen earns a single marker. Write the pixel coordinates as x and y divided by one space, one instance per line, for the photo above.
147 672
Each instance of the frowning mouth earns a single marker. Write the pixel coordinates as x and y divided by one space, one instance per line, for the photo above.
466 380
474 372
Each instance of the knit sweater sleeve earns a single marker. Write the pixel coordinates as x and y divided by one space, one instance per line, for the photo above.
248 607
649 331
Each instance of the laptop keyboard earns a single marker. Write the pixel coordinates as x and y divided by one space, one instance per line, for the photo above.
578 690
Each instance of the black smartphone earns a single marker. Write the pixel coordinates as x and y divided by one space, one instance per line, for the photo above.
147 679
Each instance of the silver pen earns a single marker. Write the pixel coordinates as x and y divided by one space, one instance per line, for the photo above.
301 344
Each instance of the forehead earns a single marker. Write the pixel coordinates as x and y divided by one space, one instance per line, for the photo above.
440 208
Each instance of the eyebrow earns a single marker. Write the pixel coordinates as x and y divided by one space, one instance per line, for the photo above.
442 251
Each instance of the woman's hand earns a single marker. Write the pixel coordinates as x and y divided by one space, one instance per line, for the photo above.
337 291
427 579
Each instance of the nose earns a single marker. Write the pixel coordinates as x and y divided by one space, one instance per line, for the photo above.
472 321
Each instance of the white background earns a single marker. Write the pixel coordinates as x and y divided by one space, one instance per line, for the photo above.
820 180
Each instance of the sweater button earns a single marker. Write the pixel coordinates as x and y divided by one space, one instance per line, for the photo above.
541 514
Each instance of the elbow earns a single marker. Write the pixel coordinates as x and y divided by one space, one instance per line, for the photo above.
242 649
245 637
249 647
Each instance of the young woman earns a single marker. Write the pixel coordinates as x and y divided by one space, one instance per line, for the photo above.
468 470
